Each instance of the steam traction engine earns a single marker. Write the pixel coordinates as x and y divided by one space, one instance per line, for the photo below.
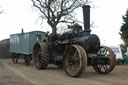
75 50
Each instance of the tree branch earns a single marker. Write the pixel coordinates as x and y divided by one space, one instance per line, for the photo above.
34 4
58 11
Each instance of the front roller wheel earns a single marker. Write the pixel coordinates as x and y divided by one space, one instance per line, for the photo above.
106 67
75 60
40 55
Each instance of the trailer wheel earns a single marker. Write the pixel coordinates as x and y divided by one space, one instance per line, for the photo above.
75 60
14 58
106 67
27 60
40 55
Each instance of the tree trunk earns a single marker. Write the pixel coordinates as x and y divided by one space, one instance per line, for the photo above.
53 26
54 29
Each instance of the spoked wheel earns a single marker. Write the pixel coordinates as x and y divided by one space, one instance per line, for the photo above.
40 55
15 58
27 60
110 60
75 60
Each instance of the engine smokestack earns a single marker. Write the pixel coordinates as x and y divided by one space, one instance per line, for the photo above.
86 18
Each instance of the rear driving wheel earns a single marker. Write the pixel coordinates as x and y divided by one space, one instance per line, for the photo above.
75 60
106 67
40 55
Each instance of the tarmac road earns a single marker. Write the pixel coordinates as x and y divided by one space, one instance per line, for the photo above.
19 74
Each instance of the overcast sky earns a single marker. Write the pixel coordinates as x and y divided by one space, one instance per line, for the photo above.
106 15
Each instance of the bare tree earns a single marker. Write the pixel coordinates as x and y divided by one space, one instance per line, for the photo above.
57 11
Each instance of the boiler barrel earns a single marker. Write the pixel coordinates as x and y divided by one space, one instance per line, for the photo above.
90 43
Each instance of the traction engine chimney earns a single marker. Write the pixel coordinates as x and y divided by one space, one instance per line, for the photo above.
86 18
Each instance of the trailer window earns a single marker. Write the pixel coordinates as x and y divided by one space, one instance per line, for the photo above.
116 50
38 37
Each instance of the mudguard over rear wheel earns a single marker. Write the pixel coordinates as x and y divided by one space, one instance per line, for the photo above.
40 55
75 60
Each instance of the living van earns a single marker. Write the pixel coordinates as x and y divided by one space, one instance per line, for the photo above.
118 53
